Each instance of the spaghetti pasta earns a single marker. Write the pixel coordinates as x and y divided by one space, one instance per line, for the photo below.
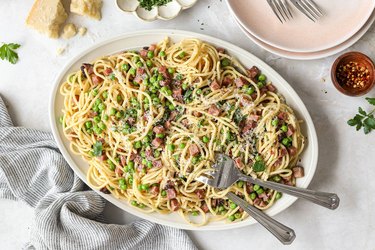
149 122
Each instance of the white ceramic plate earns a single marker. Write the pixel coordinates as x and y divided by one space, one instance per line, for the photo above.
144 38
341 20
312 55
166 12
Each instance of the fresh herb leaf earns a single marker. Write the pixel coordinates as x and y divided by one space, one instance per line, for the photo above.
371 100
361 111
97 148
259 166
149 4
369 122
238 116
7 52
187 95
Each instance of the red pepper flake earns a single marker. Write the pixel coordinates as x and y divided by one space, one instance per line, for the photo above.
353 75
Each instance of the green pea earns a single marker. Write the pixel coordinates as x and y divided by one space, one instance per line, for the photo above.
134 203
258 158
95 92
141 205
162 53
105 94
182 145
194 213
260 191
149 63
232 205
237 215
139 64
97 119
123 186
156 153
278 195
119 114
225 62
144 187
105 117
199 91
205 139
101 106
89 131
163 193
160 136
112 166
88 124
171 147
195 160
285 141
130 164
171 70
261 77
276 178
275 122
240 184
112 77
260 85
136 59
256 187
125 67
137 145
132 71
231 217
119 98
131 181
250 91
253 196
221 208
160 78
182 54
102 126
184 86
284 128
153 79
149 164
61 119
150 54
155 100
112 111
171 107
121 181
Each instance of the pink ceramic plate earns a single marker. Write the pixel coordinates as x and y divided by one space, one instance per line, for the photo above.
341 20
312 55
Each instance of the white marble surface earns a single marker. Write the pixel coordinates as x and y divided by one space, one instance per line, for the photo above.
346 161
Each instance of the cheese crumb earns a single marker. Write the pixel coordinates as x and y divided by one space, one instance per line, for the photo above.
90 8
60 51
46 16
82 31
69 31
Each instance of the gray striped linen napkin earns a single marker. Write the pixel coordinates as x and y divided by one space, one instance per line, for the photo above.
67 215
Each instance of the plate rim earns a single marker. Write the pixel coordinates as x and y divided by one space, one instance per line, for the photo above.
330 45
322 53
313 139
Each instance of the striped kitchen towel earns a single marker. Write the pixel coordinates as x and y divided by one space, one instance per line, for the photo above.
67 215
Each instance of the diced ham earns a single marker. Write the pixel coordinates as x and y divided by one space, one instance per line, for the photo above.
131 120
164 72
283 152
282 116
263 196
154 190
227 81
172 115
215 85
149 154
257 201
249 187
157 142
239 163
174 205
271 88
220 50
253 117
177 94
92 114
140 71
104 190
103 157
197 113
152 47
194 150
171 193
200 193
96 79
214 110
298 172
169 184
254 96
164 83
185 122
249 125
214 202
159 129
277 163
263 204
107 71
245 101
240 81
253 72
88 67
167 124
119 170
132 156
290 130
101 140
138 159
143 53
205 208
157 164
292 151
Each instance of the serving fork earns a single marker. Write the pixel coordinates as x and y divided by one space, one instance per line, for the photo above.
226 174
281 9
309 8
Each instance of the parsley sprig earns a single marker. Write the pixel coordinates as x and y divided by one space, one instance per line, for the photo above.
364 119
7 52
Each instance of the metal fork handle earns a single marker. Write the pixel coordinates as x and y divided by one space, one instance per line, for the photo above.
283 233
328 200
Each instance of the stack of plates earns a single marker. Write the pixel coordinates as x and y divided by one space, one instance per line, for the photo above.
343 24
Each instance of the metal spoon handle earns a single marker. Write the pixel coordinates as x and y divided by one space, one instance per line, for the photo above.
328 200
283 233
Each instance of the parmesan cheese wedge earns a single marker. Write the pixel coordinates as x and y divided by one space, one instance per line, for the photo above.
90 8
46 16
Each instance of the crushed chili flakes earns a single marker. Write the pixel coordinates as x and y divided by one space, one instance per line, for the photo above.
353 75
